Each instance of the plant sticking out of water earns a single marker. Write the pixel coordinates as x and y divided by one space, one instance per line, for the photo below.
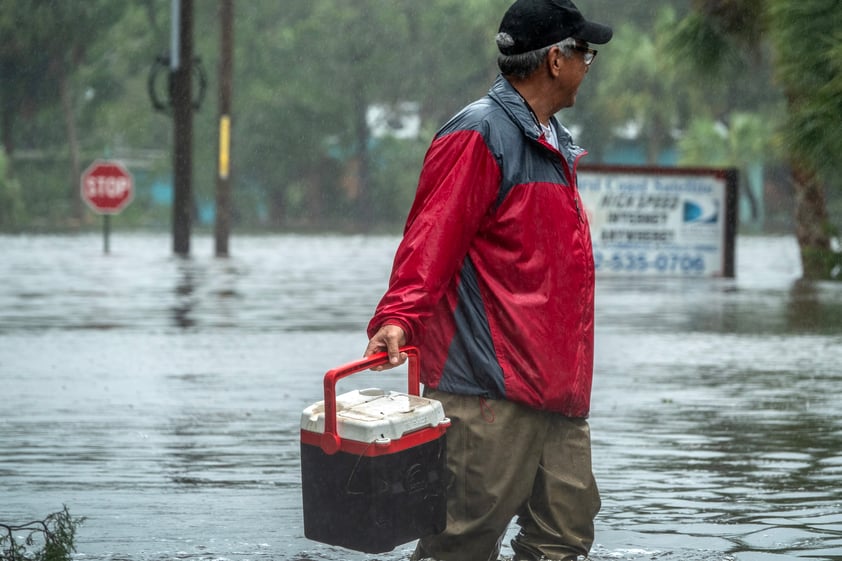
50 539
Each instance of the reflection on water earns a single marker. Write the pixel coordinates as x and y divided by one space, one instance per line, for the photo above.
160 398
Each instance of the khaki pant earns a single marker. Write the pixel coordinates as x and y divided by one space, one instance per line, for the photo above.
508 460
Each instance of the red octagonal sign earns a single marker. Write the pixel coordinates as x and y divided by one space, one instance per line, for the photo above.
107 187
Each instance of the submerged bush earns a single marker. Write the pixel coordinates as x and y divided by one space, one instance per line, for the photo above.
51 539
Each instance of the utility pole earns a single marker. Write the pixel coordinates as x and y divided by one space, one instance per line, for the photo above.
222 225
181 71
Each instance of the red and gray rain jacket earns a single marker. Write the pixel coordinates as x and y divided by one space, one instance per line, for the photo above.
494 277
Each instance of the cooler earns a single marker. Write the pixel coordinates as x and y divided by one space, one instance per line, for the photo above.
373 463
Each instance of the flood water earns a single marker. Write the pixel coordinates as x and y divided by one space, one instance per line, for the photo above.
160 398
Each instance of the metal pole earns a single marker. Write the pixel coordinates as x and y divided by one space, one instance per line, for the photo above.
106 234
222 225
182 104
175 30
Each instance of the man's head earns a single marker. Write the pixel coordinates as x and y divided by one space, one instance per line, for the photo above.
553 35
529 25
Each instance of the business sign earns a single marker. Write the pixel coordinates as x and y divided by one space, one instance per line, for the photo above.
661 221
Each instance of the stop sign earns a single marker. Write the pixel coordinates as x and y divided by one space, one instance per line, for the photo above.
107 187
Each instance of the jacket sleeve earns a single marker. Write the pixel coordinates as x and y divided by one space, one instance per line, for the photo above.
458 185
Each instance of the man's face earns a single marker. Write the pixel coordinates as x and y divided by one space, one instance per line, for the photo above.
571 72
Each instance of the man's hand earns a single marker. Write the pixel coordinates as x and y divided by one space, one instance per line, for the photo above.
388 338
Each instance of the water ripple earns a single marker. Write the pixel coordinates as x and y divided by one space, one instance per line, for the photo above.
160 398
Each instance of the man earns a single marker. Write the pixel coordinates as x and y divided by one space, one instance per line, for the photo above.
494 282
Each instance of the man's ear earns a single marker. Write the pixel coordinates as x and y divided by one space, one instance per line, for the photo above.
555 61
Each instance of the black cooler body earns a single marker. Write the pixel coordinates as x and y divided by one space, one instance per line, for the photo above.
373 464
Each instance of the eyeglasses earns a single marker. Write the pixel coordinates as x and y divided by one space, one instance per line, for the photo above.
590 54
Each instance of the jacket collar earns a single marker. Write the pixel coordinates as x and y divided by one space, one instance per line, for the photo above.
515 106
519 111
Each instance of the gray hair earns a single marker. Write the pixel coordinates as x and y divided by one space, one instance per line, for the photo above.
524 64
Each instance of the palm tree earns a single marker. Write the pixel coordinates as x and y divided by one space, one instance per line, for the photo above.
808 46
807 56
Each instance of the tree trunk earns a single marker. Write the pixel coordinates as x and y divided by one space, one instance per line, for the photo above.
6 121
365 213
72 142
278 208
658 138
812 228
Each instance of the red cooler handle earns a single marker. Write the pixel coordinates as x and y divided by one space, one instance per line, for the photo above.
331 442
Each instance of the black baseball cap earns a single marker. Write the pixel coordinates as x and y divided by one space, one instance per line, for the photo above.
534 24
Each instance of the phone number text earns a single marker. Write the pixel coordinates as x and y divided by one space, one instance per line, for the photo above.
640 262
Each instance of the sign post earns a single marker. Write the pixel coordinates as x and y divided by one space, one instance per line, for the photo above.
107 188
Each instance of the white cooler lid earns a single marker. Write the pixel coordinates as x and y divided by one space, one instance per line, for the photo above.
371 414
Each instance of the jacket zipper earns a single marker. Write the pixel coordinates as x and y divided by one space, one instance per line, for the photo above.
576 184
570 174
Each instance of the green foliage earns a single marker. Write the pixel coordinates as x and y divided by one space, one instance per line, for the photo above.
394 178
701 44
51 539
808 48
644 85
304 75
719 31
748 138
44 40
